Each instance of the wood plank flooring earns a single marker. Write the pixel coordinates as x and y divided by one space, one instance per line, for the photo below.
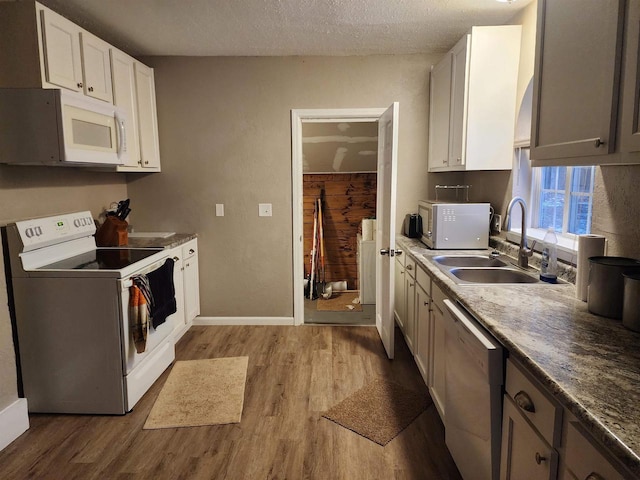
294 375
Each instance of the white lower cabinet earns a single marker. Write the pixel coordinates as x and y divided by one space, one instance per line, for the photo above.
423 324
399 303
410 303
525 454
437 383
191 281
583 460
186 282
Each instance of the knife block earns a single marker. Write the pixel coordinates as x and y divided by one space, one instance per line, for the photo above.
112 233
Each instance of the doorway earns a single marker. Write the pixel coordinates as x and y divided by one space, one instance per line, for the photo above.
335 170
339 191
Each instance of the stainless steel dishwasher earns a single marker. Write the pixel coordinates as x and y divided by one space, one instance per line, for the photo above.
474 378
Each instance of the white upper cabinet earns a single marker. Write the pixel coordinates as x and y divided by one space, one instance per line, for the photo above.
473 102
630 124
96 67
134 92
147 117
439 115
577 67
73 58
124 97
586 107
61 48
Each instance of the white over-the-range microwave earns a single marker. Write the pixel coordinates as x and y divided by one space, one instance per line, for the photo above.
454 225
59 127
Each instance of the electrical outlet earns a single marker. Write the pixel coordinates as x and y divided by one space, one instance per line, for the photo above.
496 224
265 210
219 209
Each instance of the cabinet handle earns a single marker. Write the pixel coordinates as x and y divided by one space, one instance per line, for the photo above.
444 162
175 259
594 476
411 284
599 143
79 85
524 402
191 250
409 267
540 458
401 272
426 304
90 89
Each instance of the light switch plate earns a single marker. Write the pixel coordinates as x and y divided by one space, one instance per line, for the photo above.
265 210
219 209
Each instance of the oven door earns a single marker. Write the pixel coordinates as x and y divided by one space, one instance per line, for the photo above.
141 370
155 336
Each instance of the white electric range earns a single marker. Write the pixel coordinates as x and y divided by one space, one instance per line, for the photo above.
71 298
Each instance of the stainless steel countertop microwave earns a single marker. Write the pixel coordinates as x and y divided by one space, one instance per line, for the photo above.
454 225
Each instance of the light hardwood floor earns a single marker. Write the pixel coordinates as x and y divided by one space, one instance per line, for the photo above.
294 375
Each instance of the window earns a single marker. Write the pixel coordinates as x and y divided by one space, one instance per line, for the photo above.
562 197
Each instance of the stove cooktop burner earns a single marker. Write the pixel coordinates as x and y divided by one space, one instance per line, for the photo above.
102 259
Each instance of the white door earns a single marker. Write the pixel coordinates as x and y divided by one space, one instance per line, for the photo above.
386 224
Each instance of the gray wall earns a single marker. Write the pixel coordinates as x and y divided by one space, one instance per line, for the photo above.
225 137
27 192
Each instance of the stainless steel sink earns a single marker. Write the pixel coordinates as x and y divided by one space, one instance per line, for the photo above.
469 261
482 270
491 275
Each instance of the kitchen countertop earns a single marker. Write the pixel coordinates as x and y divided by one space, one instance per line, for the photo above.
590 364
160 242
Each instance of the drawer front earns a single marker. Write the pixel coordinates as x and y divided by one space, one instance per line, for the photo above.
541 410
410 266
583 458
424 280
189 249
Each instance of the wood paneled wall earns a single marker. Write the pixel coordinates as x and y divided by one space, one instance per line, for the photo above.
349 197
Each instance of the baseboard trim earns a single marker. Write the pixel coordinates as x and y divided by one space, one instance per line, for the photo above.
14 421
243 321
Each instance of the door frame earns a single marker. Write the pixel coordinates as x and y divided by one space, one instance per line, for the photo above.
298 117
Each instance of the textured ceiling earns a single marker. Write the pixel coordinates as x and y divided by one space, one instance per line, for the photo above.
283 27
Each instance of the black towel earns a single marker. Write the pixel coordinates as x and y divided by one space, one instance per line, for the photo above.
163 292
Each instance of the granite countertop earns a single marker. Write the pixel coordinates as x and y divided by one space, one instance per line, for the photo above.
160 242
591 364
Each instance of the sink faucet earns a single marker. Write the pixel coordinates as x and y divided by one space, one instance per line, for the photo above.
524 252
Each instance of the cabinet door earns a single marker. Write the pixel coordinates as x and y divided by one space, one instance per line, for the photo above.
147 117
437 383
124 97
457 134
576 80
525 455
191 281
178 318
439 114
630 127
423 332
96 67
61 46
410 310
398 293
